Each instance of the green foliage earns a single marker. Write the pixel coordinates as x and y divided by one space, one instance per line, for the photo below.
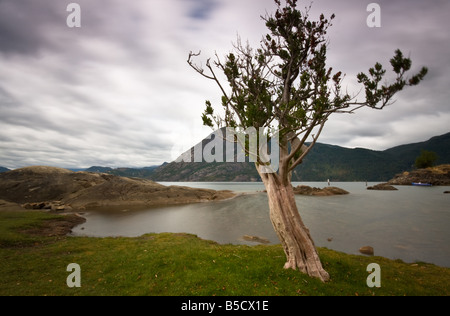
376 94
426 159
206 117
286 83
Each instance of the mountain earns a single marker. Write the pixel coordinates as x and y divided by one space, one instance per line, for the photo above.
208 172
344 164
323 162
98 169
144 173
3 169
185 169
407 154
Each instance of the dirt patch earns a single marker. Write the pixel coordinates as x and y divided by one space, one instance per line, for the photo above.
6 206
56 227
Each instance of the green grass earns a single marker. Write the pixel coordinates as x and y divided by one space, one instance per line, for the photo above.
13 223
181 264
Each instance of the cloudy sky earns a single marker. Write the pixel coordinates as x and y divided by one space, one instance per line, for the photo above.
118 92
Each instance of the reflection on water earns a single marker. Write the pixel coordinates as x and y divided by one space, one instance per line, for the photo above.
410 224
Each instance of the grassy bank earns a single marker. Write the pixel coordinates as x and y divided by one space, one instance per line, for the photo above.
181 264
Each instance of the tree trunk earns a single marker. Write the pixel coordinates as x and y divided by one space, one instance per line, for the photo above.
294 235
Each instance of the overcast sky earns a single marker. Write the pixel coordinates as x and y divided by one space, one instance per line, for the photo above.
118 92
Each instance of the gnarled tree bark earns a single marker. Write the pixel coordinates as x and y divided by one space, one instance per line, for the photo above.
294 236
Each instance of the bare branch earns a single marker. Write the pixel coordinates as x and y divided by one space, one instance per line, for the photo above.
198 68
315 138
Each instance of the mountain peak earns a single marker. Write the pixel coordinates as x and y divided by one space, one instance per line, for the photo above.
325 161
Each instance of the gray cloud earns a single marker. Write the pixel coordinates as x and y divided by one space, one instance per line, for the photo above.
118 90
201 9
24 24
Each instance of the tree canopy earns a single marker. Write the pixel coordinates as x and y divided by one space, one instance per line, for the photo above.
426 159
286 86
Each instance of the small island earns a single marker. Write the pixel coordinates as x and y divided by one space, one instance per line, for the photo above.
327 191
383 187
436 176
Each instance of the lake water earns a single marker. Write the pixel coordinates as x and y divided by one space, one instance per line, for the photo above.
411 224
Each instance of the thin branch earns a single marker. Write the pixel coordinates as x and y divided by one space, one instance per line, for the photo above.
197 68
300 159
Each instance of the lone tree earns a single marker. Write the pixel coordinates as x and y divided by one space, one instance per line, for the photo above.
284 86
426 159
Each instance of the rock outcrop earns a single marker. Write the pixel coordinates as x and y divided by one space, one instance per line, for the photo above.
61 189
383 187
327 191
439 175
256 239
367 250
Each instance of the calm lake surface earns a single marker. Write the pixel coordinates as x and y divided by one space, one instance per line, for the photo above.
411 224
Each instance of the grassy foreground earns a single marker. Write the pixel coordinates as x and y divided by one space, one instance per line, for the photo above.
181 264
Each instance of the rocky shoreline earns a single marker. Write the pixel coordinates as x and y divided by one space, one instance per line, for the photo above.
56 189
437 176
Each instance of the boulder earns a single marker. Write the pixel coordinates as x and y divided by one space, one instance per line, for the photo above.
367 250
257 239
383 187
54 206
327 191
